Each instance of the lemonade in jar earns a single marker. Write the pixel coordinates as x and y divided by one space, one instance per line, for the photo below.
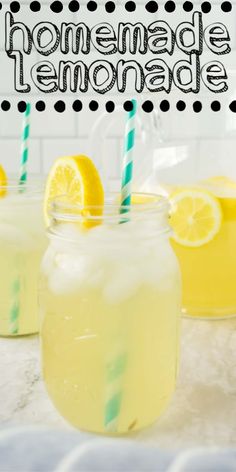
110 305
203 218
22 242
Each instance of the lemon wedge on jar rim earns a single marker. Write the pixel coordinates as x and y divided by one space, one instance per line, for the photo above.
76 179
3 182
196 216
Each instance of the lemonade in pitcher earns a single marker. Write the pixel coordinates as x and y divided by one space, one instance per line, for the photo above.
22 242
110 306
203 218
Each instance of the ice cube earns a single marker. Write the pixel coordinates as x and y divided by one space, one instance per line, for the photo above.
71 271
123 284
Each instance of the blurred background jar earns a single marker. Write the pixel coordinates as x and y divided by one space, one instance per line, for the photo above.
22 242
185 150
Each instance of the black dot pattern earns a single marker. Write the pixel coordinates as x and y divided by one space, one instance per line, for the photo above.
110 7
35 6
92 6
128 106
206 7
152 7
93 106
170 6
14 7
226 7
164 105
40 105
60 106
232 106
74 6
110 106
77 106
147 106
197 106
5 105
56 7
21 106
130 6
187 6
180 105
215 106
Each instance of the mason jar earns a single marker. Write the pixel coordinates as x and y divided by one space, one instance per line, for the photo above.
198 176
22 242
110 311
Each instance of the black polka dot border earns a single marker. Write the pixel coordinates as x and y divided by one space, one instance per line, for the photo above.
151 6
110 106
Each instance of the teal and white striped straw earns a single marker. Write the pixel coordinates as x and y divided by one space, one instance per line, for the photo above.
114 378
126 186
16 285
15 306
118 358
25 145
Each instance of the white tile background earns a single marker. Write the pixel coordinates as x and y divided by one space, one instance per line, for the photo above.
206 135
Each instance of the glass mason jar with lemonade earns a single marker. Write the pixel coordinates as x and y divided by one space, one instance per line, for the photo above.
22 242
202 194
110 304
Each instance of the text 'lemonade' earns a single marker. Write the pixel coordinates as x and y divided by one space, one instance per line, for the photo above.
22 243
110 303
204 223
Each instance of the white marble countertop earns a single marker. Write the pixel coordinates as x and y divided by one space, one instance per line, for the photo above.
202 411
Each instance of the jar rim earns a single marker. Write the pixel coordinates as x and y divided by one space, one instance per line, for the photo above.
111 212
14 185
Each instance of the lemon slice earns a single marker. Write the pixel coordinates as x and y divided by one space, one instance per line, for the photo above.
76 179
3 182
196 216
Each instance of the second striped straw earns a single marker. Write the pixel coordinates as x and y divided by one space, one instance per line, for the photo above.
25 145
127 174
16 285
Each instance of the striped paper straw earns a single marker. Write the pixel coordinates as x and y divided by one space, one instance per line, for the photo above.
25 145
128 158
15 307
117 365
16 286
114 378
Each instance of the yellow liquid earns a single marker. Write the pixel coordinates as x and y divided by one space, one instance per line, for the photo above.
85 331
209 271
21 246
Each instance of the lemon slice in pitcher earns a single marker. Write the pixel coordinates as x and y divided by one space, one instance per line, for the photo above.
3 182
196 216
76 179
